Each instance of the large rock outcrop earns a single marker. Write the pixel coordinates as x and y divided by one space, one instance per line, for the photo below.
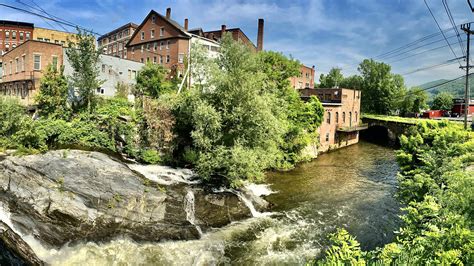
67 196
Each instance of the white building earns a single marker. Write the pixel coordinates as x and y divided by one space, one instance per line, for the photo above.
112 71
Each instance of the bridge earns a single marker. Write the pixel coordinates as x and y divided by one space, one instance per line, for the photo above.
386 129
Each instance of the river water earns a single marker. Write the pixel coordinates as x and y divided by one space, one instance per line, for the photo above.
352 188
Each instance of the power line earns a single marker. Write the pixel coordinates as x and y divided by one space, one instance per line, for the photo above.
451 48
446 63
47 22
49 18
451 19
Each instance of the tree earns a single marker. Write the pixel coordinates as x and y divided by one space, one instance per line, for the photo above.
122 90
52 98
379 87
332 79
84 58
414 100
443 101
151 81
352 82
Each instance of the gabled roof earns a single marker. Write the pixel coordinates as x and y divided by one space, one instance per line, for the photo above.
173 23
197 31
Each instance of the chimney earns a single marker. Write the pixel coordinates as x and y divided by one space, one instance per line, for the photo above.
186 21
260 35
223 28
168 13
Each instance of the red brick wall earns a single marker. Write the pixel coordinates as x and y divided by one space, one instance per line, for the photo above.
11 29
305 80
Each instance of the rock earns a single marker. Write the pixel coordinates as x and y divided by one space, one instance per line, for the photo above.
70 196
13 250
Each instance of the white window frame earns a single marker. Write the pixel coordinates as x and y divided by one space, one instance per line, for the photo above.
162 31
34 62
142 35
167 45
180 58
152 33
162 43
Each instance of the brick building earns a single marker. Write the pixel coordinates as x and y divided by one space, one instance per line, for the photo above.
14 33
53 36
305 80
115 42
23 68
341 123
459 106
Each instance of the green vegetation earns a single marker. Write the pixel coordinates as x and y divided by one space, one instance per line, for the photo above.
83 58
240 118
443 101
436 184
456 88
413 101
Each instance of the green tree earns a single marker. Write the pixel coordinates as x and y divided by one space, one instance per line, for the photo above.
152 82
84 58
414 100
352 82
443 101
379 87
52 98
332 79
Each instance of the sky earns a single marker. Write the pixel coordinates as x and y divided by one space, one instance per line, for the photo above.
323 33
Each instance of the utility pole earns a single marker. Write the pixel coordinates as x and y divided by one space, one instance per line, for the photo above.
467 99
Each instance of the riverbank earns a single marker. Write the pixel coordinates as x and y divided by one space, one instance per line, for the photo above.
309 202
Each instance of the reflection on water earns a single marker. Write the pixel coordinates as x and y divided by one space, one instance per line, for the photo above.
351 188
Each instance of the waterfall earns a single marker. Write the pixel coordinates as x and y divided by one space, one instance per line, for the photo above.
189 208
250 205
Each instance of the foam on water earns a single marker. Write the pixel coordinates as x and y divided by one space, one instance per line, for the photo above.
165 175
259 189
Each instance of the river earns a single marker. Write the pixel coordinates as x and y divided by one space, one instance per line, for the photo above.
352 188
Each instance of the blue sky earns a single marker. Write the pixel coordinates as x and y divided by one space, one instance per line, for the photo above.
324 33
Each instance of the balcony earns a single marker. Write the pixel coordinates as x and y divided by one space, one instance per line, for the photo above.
352 128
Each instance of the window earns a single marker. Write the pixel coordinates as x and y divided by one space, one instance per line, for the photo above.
153 19
11 66
148 46
110 70
329 118
152 34
133 49
37 62
17 64
167 44
125 53
13 35
14 45
154 59
7 35
21 36
134 74
162 31
161 45
141 48
55 62
327 137
23 61
27 35
129 74
356 118
337 117
344 117
155 46
167 58
161 59
148 59
181 58
103 68
141 60
56 41
350 119
142 34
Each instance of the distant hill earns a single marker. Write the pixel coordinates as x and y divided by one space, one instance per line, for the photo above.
456 87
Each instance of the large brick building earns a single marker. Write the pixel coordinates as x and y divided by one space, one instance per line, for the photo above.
115 42
14 33
305 80
23 68
341 123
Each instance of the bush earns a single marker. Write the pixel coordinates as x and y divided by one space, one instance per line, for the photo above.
150 156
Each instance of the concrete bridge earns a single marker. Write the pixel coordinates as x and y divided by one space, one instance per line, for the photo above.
386 129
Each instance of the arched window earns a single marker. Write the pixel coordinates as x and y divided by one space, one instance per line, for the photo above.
337 117
329 118
344 117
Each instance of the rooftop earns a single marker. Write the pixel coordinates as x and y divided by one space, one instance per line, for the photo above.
16 23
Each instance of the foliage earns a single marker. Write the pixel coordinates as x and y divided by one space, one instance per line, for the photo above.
333 79
344 250
84 59
52 98
244 118
413 101
157 123
379 87
150 156
122 90
443 101
151 81
436 184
